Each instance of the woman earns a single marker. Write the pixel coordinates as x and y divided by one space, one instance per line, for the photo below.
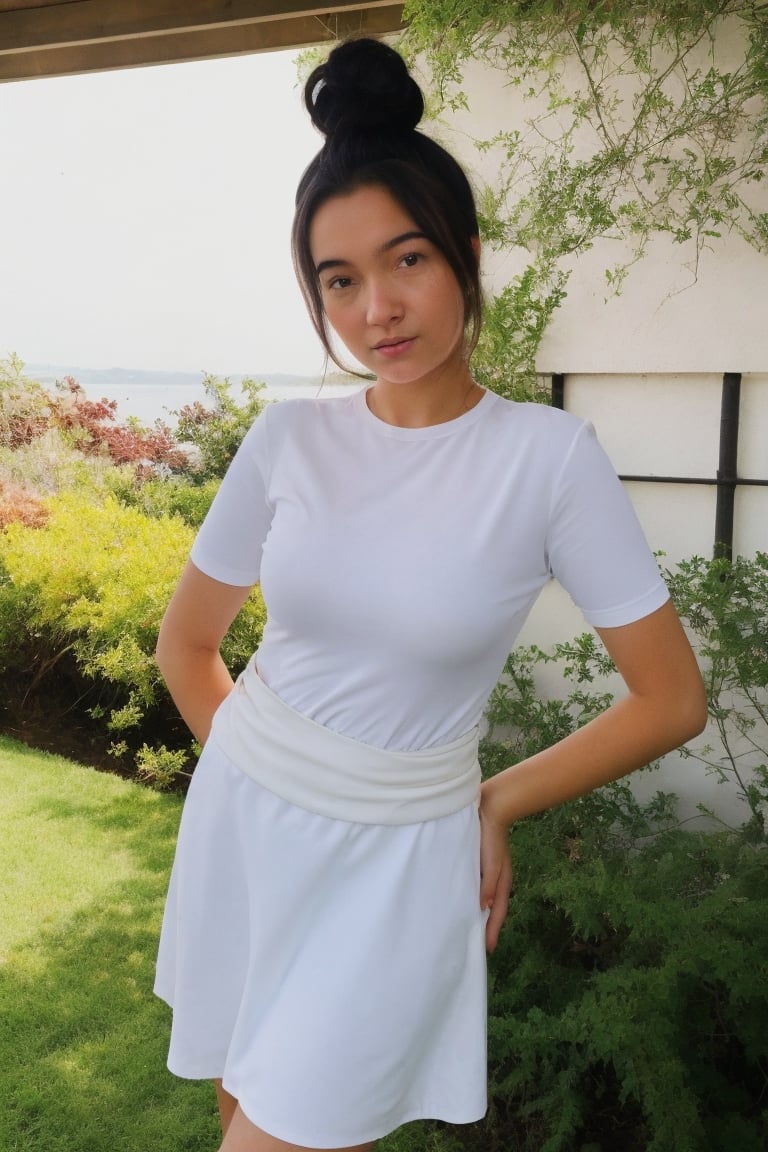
334 890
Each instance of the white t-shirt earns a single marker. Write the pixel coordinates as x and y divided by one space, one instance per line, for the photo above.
399 564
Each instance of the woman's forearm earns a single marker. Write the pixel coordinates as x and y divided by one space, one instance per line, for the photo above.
665 706
198 681
195 623
630 734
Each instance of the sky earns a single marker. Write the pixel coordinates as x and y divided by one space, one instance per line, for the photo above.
145 218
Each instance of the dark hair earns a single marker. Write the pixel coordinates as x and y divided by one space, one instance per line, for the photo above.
367 105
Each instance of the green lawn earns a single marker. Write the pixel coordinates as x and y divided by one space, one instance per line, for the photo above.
85 860
85 863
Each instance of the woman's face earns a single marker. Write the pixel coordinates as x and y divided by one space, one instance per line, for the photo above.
388 292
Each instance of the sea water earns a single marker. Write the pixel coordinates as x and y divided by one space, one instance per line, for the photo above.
150 402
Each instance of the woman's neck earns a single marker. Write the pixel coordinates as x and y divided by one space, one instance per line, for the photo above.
423 403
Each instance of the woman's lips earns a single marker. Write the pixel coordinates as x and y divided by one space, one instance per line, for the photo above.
394 349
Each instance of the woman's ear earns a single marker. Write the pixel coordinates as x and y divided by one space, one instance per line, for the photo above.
476 246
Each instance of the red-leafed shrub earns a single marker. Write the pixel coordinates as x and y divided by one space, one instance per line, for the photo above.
93 427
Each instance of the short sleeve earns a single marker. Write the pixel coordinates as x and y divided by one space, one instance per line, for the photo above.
229 544
596 547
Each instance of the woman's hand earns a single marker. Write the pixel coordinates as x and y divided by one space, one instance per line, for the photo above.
495 870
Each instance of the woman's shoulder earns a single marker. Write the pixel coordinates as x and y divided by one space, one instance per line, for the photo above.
291 417
297 412
309 426
529 419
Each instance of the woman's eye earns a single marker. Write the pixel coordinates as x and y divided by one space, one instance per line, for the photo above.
411 259
339 282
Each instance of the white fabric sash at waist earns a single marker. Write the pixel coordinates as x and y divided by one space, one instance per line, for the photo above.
333 775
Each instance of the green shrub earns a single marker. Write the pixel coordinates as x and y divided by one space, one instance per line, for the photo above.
628 1005
216 429
91 586
159 766
25 406
514 323
168 496
725 607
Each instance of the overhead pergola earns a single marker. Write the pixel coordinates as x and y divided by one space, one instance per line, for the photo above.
63 37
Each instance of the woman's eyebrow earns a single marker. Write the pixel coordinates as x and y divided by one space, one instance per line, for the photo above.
324 265
393 243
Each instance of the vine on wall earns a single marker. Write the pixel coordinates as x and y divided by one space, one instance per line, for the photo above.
642 120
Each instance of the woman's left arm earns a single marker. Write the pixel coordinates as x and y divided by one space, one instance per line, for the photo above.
665 706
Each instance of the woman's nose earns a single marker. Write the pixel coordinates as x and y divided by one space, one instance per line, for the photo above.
383 304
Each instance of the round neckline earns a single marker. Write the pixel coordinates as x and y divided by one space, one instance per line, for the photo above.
428 431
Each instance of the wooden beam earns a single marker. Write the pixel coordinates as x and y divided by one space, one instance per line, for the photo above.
55 42
92 21
12 5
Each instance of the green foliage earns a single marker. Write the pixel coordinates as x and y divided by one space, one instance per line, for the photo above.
24 405
216 431
94 581
639 123
628 1005
160 767
96 568
92 585
513 326
725 606
165 496
308 59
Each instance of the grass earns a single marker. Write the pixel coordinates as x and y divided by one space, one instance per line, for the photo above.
85 864
85 861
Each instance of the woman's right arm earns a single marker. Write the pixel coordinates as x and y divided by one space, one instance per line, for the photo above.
195 623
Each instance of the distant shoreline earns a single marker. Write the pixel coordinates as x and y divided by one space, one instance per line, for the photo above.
149 377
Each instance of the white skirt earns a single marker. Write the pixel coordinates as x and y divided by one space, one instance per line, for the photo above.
331 973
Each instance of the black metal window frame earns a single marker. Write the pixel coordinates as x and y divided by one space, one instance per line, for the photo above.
727 478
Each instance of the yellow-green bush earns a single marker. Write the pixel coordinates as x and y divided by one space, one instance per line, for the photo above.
93 583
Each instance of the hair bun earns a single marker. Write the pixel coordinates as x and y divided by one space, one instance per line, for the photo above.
363 84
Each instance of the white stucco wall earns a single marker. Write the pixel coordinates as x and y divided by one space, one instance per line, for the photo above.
678 313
